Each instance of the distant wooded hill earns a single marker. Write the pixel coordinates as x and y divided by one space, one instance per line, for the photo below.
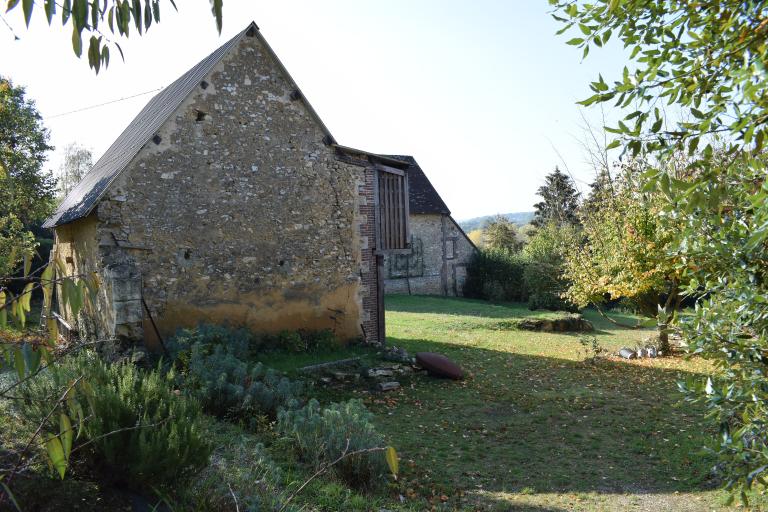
519 218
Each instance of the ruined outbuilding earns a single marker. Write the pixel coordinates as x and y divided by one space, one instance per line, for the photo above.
227 200
436 263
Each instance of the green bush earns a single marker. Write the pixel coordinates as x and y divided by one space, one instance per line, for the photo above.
239 466
246 345
550 301
240 342
496 275
137 425
229 387
215 369
544 274
322 435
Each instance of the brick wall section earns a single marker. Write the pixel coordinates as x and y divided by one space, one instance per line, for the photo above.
368 267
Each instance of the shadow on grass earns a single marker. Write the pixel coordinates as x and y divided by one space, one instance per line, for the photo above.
543 425
466 307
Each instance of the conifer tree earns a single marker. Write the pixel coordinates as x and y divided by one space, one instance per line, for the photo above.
560 200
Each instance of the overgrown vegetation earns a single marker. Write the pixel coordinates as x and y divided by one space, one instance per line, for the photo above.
496 275
323 435
134 425
216 366
26 190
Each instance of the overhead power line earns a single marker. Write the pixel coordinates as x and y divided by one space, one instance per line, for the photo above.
103 104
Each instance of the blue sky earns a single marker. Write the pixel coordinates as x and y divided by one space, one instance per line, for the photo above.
482 93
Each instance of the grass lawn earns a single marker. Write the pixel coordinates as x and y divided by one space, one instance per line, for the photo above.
534 427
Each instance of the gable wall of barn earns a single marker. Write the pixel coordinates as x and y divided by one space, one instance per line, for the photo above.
238 213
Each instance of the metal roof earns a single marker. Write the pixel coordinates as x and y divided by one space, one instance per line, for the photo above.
86 194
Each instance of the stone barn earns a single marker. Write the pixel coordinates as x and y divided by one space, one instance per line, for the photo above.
227 200
436 264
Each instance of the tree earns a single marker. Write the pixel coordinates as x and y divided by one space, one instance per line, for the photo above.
501 234
90 19
544 274
560 200
707 59
598 189
77 161
476 235
625 253
26 190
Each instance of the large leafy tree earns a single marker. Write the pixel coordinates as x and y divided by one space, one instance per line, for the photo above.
706 59
625 252
560 200
98 25
26 190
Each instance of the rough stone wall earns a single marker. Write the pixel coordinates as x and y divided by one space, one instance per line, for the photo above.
240 213
456 266
437 262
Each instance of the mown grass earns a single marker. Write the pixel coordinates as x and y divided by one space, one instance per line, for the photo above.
534 427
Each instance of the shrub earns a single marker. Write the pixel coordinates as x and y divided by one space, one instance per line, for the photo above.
136 424
240 342
543 276
216 370
322 435
227 386
496 275
239 466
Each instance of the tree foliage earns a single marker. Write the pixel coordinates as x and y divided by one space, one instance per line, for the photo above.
101 23
721 247
560 200
625 254
706 59
26 190
544 274
502 235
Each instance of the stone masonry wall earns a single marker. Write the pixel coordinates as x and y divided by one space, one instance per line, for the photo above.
238 212
437 263
456 268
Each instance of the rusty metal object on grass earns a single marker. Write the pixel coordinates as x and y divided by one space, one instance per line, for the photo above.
439 365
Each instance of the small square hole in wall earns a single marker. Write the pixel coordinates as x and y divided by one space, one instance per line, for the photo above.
200 116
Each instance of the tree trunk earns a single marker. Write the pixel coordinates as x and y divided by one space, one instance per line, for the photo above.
664 347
